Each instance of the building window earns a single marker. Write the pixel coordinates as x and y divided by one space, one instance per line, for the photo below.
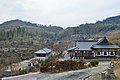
105 53
41 55
112 53
75 54
98 53
115 52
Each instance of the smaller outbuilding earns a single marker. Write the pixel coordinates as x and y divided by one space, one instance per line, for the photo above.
42 54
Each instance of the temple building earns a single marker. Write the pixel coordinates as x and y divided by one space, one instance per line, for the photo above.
94 49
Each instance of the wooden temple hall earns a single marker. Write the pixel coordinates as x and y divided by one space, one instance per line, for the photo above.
90 49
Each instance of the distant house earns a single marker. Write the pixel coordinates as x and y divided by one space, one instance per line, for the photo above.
90 49
42 54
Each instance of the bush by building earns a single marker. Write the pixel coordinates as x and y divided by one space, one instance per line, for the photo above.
94 63
61 66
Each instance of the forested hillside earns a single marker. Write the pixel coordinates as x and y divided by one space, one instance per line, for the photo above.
14 29
111 20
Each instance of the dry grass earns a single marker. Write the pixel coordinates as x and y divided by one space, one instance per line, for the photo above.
95 77
117 70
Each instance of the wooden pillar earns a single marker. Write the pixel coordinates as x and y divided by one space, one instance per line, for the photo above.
94 55
101 52
108 52
82 53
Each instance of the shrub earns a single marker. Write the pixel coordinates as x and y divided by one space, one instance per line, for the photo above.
81 60
89 65
23 72
43 69
94 63
61 66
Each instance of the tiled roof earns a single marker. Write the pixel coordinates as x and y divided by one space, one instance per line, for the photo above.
106 46
72 48
86 45
44 51
90 44
102 41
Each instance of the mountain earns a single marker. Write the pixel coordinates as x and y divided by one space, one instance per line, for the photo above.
15 29
17 22
111 20
100 27
18 28
20 23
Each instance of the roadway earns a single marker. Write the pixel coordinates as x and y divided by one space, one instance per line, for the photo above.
69 75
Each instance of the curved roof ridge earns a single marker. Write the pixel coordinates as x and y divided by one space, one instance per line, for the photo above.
104 39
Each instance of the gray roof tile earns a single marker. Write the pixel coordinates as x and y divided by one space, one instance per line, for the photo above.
85 45
106 46
44 51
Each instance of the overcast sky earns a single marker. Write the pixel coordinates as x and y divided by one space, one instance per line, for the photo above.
64 13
